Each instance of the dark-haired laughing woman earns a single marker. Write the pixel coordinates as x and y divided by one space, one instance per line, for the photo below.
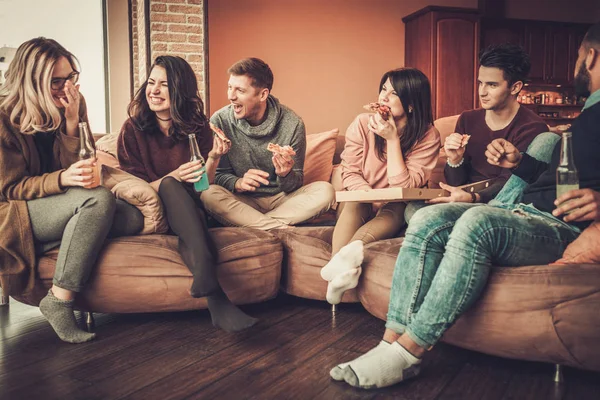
154 146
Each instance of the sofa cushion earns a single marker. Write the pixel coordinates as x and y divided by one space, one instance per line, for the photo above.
105 158
318 163
585 249
108 144
445 126
146 273
138 193
537 313
307 250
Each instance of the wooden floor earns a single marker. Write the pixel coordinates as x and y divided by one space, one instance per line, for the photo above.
286 356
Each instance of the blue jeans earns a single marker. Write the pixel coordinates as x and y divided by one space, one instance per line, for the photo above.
540 148
448 253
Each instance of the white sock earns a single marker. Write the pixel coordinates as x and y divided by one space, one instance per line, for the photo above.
338 286
383 368
350 256
337 372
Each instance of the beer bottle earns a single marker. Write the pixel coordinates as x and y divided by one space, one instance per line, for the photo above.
566 173
86 151
195 155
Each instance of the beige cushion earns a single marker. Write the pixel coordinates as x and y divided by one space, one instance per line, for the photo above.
108 144
585 249
138 193
538 313
318 163
146 273
307 250
445 126
105 158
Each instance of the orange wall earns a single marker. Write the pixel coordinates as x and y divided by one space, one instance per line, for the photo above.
327 55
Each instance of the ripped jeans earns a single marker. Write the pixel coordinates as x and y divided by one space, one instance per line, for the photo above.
447 255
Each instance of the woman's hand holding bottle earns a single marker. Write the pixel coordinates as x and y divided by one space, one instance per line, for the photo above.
189 172
79 174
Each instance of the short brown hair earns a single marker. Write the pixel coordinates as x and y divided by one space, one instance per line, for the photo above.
258 70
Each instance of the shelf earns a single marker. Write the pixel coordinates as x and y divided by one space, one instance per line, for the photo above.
558 119
548 85
554 105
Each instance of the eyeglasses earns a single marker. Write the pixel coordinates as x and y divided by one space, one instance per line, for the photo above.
59 83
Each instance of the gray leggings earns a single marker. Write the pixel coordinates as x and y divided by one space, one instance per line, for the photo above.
79 220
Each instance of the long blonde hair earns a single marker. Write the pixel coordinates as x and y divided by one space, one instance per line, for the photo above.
26 95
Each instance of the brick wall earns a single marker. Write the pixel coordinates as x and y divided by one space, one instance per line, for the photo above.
176 28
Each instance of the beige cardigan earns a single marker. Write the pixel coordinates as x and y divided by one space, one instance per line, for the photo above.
21 180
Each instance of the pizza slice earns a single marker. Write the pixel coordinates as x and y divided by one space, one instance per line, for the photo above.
218 132
283 150
464 140
382 109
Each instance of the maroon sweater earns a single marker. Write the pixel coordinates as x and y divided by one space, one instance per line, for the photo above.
152 155
521 131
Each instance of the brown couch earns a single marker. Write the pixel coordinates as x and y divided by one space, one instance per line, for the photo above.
541 313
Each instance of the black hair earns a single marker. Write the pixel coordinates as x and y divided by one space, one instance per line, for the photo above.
511 59
414 90
592 37
187 108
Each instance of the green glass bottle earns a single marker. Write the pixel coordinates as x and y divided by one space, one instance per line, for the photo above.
195 155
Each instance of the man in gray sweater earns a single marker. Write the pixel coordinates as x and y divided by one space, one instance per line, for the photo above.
254 187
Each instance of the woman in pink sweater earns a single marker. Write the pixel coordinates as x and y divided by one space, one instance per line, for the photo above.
399 152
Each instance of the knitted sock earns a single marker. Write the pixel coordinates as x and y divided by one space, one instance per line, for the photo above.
226 315
338 286
383 368
350 256
337 372
60 315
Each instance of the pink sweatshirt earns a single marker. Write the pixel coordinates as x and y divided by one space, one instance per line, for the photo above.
361 169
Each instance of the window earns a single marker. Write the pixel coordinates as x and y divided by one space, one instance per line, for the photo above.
78 26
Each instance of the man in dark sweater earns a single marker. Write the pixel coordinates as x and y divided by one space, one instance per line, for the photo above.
253 187
448 251
502 71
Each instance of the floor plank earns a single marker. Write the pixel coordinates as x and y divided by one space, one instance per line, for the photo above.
287 355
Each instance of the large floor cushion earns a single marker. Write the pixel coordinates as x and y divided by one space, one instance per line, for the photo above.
307 250
146 273
538 313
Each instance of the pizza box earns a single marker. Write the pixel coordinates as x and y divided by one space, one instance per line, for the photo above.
389 194
403 194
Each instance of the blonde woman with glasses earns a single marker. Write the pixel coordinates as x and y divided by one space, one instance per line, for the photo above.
45 195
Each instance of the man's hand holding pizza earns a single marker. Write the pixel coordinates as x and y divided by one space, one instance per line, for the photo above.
455 146
283 159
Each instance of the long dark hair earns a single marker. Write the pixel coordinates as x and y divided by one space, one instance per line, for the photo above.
414 91
187 108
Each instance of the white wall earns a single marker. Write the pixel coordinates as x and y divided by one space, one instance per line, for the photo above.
78 26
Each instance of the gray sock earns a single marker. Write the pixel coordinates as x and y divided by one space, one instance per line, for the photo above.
226 315
60 315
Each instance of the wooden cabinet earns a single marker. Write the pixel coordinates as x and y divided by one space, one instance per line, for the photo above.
443 42
494 31
552 46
